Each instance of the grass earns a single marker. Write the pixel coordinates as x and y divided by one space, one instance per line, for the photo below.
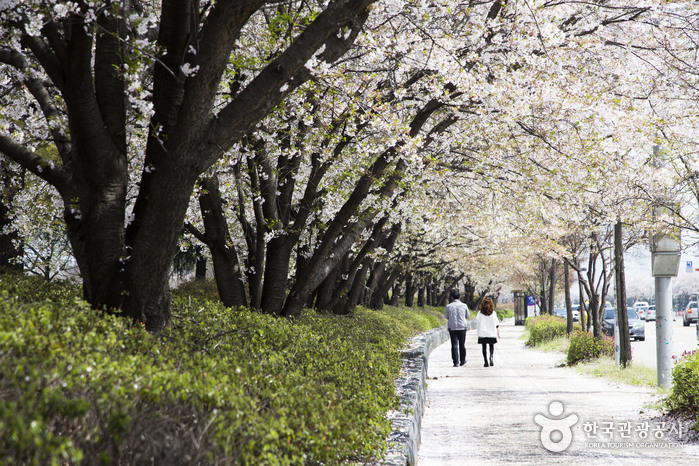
559 344
635 374
605 367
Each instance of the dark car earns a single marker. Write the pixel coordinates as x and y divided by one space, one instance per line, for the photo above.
562 312
637 330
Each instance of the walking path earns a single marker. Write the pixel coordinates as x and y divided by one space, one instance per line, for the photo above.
479 415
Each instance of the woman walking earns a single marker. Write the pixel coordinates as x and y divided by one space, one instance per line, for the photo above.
488 329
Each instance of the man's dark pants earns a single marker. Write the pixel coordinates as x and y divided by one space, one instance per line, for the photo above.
458 346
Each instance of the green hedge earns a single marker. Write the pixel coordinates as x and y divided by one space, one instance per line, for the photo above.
684 398
218 386
584 346
544 328
504 313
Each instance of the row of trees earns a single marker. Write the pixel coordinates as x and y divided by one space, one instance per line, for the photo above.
334 154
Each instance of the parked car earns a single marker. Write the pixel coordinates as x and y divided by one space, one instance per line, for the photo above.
637 331
650 313
562 312
641 307
576 312
690 313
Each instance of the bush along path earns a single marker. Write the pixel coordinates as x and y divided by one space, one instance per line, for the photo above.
404 440
218 387
529 408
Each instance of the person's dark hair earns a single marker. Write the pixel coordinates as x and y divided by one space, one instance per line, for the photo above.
487 306
455 295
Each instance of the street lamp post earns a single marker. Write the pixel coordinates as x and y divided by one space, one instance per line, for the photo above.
665 256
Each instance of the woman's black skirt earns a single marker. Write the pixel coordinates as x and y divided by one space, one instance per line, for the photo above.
482 340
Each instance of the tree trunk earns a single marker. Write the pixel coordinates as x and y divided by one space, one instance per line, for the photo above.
552 286
543 273
622 315
386 285
421 296
11 256
200 268
11 252
584 315
395 295
227 272
409 291
569 304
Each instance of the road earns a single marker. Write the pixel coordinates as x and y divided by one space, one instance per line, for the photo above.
498 415
683 339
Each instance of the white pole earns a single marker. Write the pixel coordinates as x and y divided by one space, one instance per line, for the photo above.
663 330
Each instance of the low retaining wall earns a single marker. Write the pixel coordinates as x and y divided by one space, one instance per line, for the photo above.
404 440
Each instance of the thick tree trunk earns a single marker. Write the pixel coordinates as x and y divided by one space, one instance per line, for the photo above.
594 309
421 296
200 268
622 315
276 278
340 303
10 254
254 237
324 293
357 289
386 285
153 243
395 295
409 291
227 272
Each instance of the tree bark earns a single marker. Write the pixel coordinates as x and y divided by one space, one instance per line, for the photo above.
622 315
200 268
227 271
409 291
11 252
569 304
355 292
552 286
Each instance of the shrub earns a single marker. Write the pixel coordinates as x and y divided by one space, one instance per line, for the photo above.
584 346
684 397
544 328
218 386
504 313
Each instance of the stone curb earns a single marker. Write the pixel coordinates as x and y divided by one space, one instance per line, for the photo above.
411 387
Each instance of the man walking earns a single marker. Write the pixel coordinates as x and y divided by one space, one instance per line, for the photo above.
457 314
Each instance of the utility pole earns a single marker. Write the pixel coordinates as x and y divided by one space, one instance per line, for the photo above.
665 262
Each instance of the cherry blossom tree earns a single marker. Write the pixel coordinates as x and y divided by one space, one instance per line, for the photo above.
117 85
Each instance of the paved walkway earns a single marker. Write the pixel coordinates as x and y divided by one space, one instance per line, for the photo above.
479 415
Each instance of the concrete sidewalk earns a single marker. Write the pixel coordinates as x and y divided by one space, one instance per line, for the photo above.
479 415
